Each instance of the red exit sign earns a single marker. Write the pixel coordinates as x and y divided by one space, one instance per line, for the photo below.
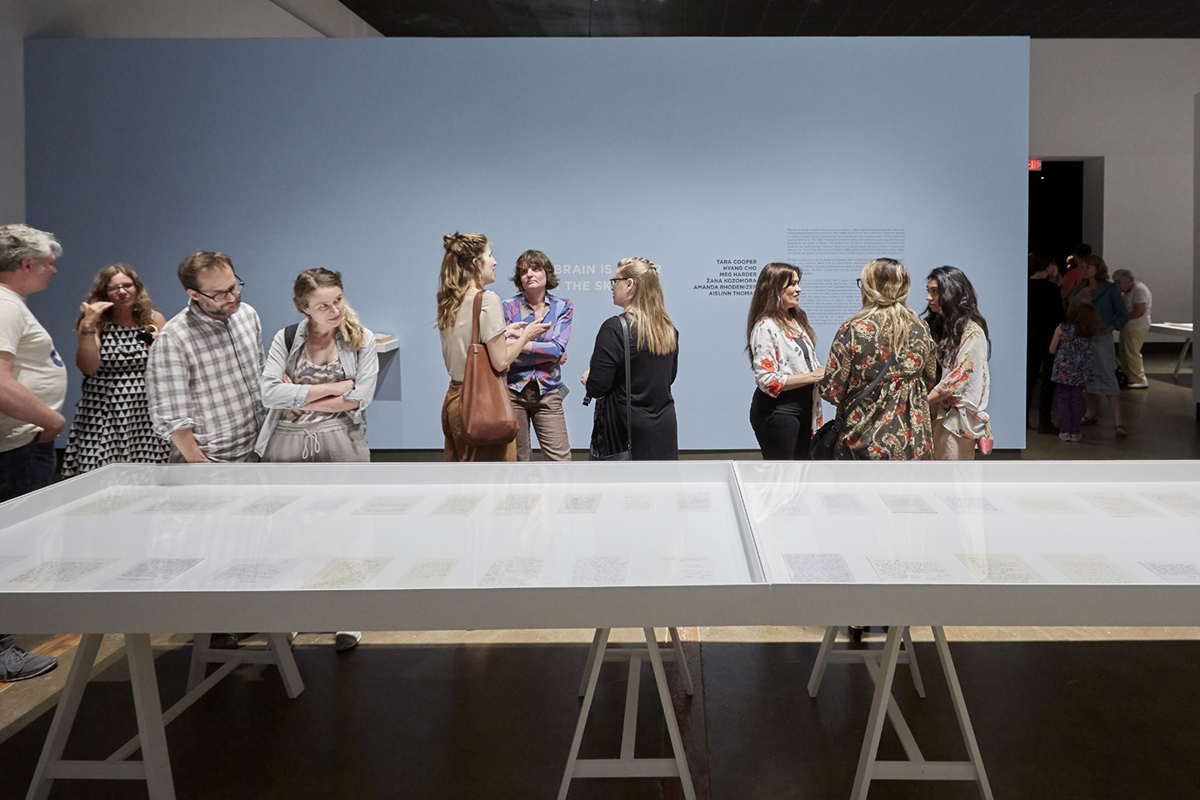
1035 165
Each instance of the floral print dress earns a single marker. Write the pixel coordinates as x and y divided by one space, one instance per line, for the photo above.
894 422
965 380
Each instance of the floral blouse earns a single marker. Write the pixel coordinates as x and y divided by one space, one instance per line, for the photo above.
776 353
894 422
965 380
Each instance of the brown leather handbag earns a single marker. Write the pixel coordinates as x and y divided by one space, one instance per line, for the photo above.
487 412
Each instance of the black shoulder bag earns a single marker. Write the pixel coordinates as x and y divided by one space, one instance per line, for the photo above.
824 441
596 453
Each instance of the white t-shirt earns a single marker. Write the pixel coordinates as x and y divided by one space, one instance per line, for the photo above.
1138 294
36 365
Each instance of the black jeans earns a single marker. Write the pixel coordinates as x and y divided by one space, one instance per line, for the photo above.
783 424
25 469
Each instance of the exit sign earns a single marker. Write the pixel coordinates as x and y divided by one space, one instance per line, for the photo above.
1035 165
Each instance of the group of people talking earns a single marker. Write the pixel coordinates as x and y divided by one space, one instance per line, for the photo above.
914 387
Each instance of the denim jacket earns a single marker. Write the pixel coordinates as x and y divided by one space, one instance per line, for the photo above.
361 366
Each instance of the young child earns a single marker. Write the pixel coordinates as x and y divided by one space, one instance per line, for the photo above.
1072 368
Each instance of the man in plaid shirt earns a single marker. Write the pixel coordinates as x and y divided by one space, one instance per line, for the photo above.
203 375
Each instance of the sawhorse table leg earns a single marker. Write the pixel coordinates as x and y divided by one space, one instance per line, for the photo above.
627 766
884 705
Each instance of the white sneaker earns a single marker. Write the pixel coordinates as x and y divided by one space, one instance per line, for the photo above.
1066 437
1076 437
346 640
1138 386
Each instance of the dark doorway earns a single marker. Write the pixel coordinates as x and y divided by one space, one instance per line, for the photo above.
1056 209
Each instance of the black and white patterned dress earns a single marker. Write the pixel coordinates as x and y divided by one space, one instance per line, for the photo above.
112 420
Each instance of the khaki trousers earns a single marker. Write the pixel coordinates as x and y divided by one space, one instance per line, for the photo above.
456 447
948 447
1129 354
545 411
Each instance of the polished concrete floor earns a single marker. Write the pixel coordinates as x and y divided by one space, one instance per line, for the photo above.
1059 712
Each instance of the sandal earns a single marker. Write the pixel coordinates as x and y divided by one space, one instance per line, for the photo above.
1121 432
1090 420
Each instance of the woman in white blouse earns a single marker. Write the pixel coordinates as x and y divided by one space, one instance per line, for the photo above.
786 408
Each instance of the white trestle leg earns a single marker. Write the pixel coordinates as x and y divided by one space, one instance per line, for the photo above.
626 766
278 652
883 706
829 655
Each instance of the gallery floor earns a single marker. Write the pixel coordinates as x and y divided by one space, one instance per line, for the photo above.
1059 712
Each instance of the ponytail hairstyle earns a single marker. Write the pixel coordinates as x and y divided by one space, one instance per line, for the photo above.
460 273
767 302
960 307
885 285
1086 320
646 310
308 282
143 306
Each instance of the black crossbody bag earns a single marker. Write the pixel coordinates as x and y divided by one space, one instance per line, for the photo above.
824 441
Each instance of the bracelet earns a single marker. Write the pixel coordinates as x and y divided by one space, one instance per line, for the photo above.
91 331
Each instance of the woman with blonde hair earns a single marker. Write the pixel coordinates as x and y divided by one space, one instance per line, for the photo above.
786 408
885 340
117 324
643 337
467 267
319 378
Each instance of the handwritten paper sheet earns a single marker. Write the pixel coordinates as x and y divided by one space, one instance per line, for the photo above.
847 504
693 502
580 504
638 502
187 505
518 504
1045 504
151 573
600 571
903 570
1182 503
515 571
246 573
457 505
1174 571
347 573
1088 568
389 505
1119 505
907 504
104 506
59 573
266 506
818 568
693 570
968 504
428 573
996 568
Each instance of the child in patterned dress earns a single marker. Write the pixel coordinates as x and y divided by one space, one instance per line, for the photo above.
1072 368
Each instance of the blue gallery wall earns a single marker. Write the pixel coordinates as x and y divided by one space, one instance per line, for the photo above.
358 155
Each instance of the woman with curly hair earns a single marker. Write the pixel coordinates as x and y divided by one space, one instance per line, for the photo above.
884 337
958 404
786 408
117 324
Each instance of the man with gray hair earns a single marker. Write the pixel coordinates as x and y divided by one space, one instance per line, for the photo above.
33 385
1129 350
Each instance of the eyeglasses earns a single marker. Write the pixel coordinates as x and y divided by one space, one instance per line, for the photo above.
124 287
613 281
228 294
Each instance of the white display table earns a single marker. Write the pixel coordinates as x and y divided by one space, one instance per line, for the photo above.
1181 329
594 545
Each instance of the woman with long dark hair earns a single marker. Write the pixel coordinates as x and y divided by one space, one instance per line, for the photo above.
786 407
117 324
958 403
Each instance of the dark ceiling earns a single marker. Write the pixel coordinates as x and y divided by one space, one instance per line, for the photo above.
1040 19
